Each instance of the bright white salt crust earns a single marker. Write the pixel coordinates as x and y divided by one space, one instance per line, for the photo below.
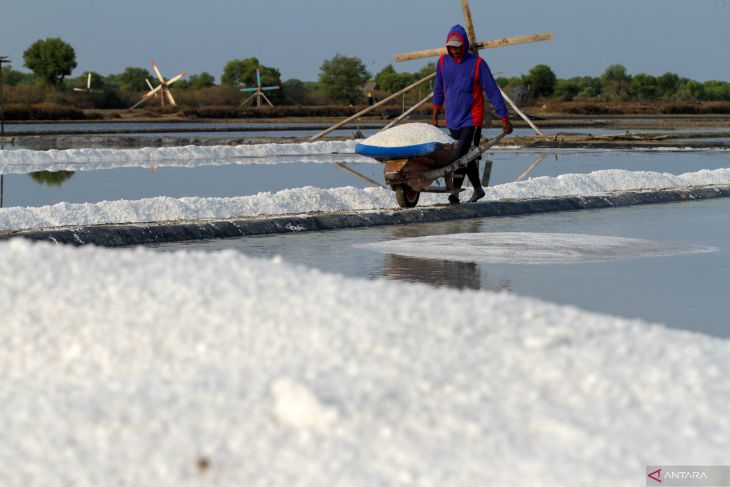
24 161
131 367
308 199
408 134
531 248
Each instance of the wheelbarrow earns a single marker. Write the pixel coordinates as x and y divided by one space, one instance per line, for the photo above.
411 170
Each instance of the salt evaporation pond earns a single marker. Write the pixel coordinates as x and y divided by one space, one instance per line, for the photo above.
681 282
226 178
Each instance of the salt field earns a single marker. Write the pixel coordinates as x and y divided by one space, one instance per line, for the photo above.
532 338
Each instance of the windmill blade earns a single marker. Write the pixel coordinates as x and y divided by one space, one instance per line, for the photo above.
152 91
149 84
169 97
88 82
269 88
258 77
248 90
175 78
144 99
157 72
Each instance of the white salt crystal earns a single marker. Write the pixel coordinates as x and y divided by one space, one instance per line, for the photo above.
409 134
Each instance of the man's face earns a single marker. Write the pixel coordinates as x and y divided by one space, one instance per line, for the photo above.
455 51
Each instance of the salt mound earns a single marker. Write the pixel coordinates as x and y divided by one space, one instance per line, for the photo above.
409 134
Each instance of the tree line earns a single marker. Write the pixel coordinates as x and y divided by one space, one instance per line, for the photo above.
341 80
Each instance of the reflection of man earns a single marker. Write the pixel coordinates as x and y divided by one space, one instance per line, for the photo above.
461 81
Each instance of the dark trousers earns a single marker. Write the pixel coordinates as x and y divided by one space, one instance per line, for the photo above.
467 137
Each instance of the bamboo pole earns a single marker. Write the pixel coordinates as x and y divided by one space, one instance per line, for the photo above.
405 114
534 164
506 41
521 113
348 169
371 107
469 26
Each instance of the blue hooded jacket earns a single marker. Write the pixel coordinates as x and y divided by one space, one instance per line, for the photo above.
461 84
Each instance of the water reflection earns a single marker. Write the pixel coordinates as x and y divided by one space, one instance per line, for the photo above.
51 178
459 275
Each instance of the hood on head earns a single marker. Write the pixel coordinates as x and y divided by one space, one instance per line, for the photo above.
461 33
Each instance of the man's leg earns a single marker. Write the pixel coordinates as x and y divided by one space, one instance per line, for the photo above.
465 136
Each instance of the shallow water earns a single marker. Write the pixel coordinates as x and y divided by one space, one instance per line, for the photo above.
225 178
687 291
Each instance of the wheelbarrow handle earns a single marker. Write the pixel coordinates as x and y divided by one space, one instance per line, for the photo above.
473 153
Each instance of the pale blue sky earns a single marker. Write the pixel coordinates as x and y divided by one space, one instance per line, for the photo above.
689 37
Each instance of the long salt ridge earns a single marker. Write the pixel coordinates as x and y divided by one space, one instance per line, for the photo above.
408 134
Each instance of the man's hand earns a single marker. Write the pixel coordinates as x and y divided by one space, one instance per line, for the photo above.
435 120
506 126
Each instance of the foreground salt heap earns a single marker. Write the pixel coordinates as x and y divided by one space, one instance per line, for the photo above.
132 367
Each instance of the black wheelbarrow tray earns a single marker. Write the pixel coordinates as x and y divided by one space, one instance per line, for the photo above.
410 170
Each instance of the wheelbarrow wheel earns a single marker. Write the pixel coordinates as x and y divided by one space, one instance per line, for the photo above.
406 197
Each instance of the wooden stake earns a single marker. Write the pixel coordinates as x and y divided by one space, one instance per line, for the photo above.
507 41
371 107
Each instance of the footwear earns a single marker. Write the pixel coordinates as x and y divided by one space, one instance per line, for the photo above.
453 199
477 195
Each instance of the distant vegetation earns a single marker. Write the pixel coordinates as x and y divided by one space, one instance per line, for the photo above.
48 91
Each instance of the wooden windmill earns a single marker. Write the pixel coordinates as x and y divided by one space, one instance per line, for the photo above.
88 86
475 46
163 88
258 91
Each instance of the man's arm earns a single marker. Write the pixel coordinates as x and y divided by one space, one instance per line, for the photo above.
490 87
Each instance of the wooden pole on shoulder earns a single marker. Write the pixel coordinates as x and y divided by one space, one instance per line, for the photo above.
506 41
371 107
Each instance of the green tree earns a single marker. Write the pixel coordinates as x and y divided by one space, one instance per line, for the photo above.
97 81
616 82
541 81
12 77
426 70
667 85
717 90
567 89
342 78
131 79
295 92
242 72
644 87
196 82
690 90
50 60
238 72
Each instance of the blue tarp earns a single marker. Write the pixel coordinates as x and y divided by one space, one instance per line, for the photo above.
402 152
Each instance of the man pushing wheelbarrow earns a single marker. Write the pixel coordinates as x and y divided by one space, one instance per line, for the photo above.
461 81
416 155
